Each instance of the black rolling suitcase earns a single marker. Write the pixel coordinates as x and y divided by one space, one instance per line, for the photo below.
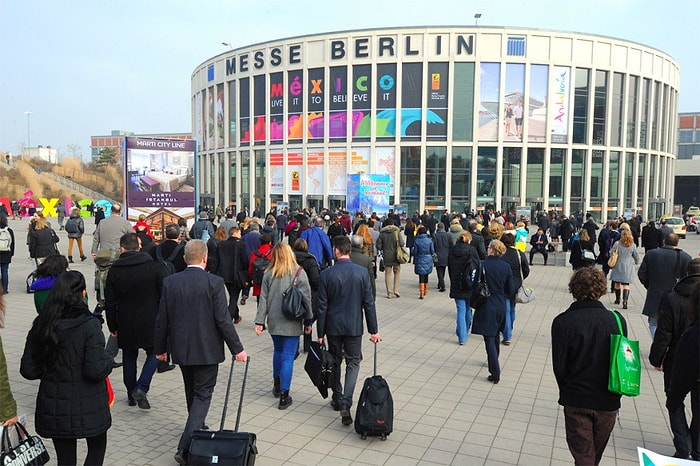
375 408
224 447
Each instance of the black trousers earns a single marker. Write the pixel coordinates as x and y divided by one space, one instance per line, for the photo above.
544 253
233 292
199 386
441 276
66 450
587 433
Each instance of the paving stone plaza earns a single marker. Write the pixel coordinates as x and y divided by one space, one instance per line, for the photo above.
445 411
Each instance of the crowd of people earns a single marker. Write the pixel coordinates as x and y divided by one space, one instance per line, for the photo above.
149 289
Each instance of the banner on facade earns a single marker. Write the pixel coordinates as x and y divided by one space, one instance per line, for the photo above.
559 106
368 193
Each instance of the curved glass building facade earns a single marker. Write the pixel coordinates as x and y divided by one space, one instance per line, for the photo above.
475 117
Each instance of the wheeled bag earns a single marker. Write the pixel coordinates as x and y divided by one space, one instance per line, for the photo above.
225 447
375 408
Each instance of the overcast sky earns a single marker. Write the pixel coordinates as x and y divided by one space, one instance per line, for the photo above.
88 67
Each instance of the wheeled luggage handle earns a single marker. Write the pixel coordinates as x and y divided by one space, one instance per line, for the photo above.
228 391
375 359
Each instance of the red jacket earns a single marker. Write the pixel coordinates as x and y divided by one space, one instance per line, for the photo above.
262 250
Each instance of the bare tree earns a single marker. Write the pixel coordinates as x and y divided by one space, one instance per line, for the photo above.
74 149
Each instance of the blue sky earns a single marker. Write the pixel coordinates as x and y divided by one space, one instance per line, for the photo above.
87 67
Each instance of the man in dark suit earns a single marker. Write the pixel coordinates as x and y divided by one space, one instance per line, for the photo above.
357 256
232 266
477 239
132 294
651 237
539 245
345 291
660 271
194 316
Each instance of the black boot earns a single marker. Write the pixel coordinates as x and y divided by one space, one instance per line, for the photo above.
70 259
625 297
285 400
276 389
617 296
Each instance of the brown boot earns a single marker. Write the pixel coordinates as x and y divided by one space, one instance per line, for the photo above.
420 291
425 289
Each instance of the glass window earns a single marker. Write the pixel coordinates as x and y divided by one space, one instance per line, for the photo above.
613 177
556 175
581 105
512 159
632 90
245 179
596 188
653 182
411 100
244 111
535 173
486 174
232 176
629 179
663 118
435 175
489 101
461 177
655 116
599 107
232 112
640 177
577 169
618 105
685 135
260 173
222 179
410 177
463 108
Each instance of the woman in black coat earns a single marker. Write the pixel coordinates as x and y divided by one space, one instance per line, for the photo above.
461 261
583 243
65 350
308 262
42 239
490 318
520 268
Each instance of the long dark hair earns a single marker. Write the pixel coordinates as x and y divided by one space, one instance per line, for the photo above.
66 293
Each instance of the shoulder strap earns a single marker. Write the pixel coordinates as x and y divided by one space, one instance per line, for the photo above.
159 253
172 255
520 259
676 272
619 324
296 276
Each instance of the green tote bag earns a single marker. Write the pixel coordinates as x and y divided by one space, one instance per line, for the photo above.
625 364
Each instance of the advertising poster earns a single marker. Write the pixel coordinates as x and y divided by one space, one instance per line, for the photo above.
295 163
219 116
411 101
368 193
259 110
559 106
198 119
361 102
211 119
337 172
295 106
385 160
160 176
352 196
537 103
316 95
244 111
489 101
359 160
276 108
514 101
338 118
315 171
276 173
385 119
232 112
436 114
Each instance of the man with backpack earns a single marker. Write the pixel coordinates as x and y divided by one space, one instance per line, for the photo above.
202 228
259 262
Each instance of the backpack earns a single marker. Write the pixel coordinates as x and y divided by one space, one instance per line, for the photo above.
167 264
573 239
72 226
205 235
260 264
5 240
465 279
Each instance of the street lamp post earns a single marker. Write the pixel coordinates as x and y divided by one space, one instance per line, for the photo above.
476 18
227 44
29 132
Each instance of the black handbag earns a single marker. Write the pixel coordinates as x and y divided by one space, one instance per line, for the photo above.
381 262
293 306
480 292
30 451
319 366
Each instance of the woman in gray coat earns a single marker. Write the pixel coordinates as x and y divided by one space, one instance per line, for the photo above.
623 272
284 331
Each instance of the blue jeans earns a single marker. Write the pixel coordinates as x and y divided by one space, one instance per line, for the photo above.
653 322
129 357
510 319
283 359
4 270
464 319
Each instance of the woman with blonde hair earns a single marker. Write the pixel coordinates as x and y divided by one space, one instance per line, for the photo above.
623 272
368 245
490 317
42 239
285 332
